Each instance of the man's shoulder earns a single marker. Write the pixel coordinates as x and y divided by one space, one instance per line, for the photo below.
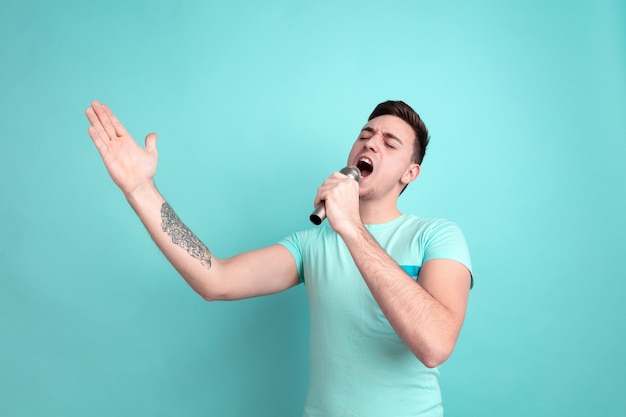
425 223
321 232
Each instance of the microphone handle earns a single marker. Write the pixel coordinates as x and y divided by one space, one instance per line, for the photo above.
319 214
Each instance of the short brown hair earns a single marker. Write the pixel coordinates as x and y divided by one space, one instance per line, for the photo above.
405 112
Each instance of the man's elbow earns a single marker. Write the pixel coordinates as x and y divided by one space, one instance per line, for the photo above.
208 297
208 289
209 292
219 293
213 295
436 355
433 361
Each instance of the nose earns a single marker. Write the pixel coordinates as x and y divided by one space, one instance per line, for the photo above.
373 141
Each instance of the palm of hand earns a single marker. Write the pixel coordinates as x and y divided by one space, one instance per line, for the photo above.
129 164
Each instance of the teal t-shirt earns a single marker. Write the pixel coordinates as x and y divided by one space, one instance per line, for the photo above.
358 364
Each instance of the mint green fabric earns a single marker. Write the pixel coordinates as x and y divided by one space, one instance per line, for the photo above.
358 364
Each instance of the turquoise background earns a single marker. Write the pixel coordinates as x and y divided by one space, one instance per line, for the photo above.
255 104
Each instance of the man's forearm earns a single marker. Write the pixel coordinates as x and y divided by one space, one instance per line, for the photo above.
183 237
426 326
183 249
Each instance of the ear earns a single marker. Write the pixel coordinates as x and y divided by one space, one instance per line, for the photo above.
411 174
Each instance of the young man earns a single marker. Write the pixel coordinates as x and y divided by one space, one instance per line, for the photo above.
387 291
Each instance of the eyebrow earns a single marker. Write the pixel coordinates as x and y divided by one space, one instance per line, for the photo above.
385 134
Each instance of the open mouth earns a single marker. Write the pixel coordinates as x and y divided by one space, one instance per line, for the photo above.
365 166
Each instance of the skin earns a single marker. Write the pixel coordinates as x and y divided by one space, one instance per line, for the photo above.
427 314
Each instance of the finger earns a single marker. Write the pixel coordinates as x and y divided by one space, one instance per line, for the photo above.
323 192
328 184
94 120
101 145
318 197
119 128
105 121
96 131
151 143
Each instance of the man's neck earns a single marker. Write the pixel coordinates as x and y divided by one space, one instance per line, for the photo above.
377 211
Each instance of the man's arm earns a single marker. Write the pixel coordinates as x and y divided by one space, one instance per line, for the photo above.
250 274
427 314
132 168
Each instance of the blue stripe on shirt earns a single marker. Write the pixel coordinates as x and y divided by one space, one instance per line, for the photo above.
412 270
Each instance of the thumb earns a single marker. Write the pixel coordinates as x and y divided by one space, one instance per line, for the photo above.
151 142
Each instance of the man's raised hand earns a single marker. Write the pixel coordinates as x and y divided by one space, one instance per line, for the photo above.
129 165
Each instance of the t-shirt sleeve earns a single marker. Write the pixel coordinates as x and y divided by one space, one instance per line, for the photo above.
445 240
292 243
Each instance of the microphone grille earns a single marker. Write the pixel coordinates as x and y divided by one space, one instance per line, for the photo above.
352 172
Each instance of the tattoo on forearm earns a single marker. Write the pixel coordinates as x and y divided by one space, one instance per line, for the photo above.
183 237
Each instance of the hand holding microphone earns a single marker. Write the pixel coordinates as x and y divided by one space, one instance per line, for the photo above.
319 214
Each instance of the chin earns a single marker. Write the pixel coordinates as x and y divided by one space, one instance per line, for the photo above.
366 195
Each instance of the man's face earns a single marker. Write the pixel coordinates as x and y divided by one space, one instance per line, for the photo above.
383 152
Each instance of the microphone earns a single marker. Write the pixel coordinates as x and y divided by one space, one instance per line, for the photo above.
319 214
